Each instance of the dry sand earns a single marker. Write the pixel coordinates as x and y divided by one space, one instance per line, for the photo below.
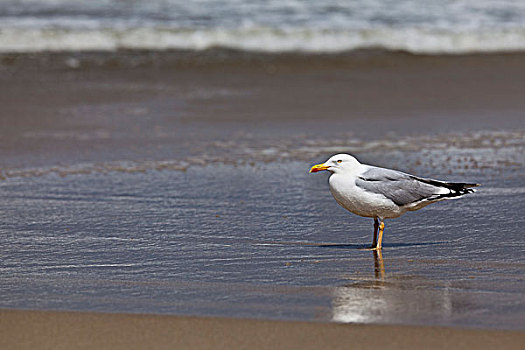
74 330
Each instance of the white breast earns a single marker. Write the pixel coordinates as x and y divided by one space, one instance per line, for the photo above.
360 202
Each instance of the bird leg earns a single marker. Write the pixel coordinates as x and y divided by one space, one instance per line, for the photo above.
380 240
376 226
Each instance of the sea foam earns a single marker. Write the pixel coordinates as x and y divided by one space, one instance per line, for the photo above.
424 41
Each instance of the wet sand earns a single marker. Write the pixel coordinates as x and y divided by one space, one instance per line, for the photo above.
67 108
214 241
69 330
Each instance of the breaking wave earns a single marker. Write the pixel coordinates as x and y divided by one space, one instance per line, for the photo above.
271 40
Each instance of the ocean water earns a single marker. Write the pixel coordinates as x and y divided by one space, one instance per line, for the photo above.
435 26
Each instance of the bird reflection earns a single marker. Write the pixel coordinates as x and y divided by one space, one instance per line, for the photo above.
379 265
382 298
360 301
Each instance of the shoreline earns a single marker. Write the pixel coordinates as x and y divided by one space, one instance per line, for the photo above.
24 329
226 57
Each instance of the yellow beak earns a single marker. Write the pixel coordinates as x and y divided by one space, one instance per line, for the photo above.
318 167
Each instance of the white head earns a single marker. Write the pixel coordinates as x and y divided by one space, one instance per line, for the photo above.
338 163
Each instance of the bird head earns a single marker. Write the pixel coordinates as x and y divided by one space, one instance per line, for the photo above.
338 163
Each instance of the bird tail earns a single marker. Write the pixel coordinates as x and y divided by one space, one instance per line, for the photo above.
458 192
457 189
462 187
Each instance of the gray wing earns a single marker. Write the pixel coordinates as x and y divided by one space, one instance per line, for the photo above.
399 187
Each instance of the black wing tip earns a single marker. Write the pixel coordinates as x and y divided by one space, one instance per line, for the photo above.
455 193
454 186
459 186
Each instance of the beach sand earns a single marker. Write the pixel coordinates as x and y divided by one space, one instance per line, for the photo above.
78 113
73 330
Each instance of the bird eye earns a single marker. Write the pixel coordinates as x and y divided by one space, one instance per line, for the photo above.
339 161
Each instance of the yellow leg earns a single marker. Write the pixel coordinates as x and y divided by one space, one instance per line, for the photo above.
380 240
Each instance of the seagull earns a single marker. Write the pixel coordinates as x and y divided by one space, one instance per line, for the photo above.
381 193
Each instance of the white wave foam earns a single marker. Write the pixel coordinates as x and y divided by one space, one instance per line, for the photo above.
426 41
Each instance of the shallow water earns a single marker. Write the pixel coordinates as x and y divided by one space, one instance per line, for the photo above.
263 241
